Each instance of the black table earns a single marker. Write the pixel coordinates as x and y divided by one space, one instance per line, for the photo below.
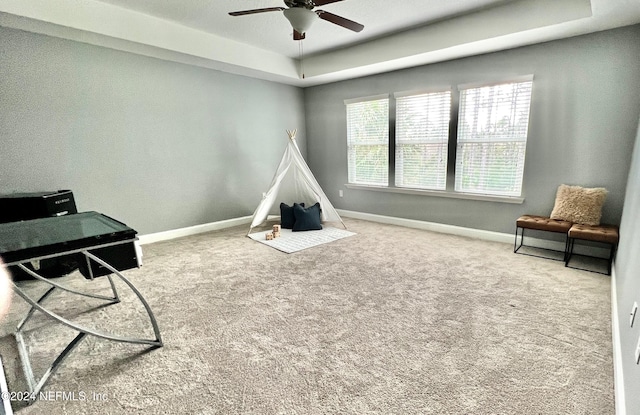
91 236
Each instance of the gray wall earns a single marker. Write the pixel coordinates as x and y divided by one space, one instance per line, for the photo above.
583 123
627 271
156 144
161 145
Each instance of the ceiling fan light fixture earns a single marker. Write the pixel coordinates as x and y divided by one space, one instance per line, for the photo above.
300 18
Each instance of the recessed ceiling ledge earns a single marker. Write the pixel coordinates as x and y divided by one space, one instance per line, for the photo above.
494 23
105 25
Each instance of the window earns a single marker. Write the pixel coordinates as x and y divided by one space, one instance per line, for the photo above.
422 136
409 151
368 141
492 135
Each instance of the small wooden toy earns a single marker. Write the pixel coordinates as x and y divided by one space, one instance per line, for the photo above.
269 236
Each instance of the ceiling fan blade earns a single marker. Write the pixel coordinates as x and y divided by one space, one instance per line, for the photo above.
268 9
298 36
323 2
340 21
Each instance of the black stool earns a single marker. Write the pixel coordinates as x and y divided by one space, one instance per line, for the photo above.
606 234
541 223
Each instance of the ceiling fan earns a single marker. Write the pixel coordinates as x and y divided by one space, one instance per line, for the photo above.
301 15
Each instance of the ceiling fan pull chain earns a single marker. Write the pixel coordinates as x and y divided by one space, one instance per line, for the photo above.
301 57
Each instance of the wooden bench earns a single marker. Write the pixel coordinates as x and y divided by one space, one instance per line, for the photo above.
606 234
541 223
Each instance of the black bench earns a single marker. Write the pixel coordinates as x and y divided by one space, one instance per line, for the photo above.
541 223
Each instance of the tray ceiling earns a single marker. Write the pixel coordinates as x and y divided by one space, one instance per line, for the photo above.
397 34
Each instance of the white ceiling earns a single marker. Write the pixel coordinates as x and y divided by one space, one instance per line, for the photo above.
397 34
271 31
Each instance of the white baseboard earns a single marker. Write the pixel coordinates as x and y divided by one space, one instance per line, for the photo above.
618 377
193 230
391 220
429 226
472 233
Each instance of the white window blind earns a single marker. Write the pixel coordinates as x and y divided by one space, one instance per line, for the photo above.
368 142
492 135
422 135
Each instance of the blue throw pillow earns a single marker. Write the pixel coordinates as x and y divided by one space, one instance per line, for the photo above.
286 215
306 219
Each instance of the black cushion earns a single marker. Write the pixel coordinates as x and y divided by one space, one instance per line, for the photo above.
307 219
286 216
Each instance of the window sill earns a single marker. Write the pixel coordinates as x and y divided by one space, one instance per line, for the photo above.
438 193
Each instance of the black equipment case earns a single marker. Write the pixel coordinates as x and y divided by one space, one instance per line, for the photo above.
25 206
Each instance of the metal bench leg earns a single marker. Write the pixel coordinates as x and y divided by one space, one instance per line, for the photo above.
569 251
570 245
611 254
515 242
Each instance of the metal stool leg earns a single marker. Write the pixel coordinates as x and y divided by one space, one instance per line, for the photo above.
569 253
611 254
515 242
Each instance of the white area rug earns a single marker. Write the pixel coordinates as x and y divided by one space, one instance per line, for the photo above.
297 241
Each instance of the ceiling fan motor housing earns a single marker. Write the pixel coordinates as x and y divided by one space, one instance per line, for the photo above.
301 15
301 19
308 4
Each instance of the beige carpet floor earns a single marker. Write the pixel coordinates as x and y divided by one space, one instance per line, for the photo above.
389 321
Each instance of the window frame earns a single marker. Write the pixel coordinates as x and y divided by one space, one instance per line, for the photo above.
450 190
493 141
398 143
351 146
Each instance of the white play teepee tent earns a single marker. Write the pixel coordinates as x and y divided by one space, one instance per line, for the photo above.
294 182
